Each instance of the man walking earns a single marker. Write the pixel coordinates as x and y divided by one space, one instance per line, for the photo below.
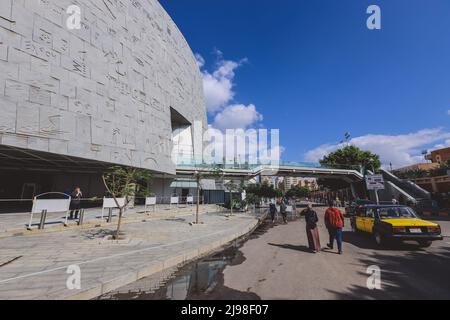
283 210
334 221
272 211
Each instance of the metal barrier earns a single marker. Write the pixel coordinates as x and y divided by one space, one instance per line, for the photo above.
102 208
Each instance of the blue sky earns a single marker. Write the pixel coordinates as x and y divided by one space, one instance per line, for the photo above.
313 70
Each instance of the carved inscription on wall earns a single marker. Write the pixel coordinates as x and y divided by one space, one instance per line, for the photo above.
102 92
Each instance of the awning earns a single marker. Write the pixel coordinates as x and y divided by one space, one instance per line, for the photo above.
184 184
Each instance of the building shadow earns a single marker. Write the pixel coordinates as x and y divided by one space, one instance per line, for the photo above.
417 275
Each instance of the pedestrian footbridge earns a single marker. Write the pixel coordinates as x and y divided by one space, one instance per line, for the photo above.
292 169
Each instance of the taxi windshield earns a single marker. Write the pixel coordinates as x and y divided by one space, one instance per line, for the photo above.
396 213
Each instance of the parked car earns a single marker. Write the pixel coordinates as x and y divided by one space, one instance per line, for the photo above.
353 207
388 223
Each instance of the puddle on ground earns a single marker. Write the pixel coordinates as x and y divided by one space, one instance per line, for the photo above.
199 280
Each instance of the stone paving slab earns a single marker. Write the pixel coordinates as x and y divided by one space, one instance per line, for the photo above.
39 270
13 224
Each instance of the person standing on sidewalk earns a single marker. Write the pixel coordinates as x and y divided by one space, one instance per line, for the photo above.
76 203
312 231
334 221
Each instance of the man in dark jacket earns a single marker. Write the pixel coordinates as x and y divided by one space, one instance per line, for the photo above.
76 203
272 211
334 221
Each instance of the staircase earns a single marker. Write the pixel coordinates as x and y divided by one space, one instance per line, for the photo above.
408 190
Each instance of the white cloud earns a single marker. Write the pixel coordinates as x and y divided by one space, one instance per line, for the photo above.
218 85
401 150
219 95
200 60
448 112
443 145
237 116
219 92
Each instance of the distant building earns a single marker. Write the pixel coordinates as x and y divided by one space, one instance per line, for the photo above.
418 166
439 156
435 184
290 182
269 180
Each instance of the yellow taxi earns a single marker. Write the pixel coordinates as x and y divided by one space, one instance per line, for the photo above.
395 223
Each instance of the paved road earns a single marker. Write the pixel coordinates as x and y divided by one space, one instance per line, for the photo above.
278 265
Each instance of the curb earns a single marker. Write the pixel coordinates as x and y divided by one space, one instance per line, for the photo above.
176 261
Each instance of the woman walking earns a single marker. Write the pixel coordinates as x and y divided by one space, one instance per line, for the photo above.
312 231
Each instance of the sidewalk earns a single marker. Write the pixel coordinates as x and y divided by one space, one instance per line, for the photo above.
16 223
35 266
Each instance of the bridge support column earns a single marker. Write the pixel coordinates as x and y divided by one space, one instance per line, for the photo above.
354 192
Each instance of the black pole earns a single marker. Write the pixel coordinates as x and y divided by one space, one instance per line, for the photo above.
43 218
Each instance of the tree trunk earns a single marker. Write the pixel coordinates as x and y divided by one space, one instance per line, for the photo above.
231 203
119 224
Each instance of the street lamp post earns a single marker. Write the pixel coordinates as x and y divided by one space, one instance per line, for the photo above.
377 198
198 198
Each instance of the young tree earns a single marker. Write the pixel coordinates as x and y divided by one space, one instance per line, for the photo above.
263 190
298 192
125 182
214 173
232 187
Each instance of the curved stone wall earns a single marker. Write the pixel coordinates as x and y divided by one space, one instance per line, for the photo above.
102 92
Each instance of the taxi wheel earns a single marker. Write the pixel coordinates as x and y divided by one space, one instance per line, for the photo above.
425 244
379 239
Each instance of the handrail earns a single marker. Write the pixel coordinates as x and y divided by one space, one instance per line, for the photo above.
403 192
47 193
411 187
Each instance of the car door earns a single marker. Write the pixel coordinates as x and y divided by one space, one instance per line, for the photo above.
369 221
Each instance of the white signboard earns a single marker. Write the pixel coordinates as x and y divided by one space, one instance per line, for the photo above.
111 203
174 200
289 209
150 201
375 182
190 199
51 205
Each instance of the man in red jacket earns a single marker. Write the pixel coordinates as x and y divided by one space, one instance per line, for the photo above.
334 221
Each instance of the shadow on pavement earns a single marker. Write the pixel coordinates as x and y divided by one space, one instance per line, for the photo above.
291 247
366 241
415 275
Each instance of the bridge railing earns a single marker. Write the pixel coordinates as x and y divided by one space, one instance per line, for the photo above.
247 166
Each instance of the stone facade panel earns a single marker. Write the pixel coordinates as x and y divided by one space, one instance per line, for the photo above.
103 92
